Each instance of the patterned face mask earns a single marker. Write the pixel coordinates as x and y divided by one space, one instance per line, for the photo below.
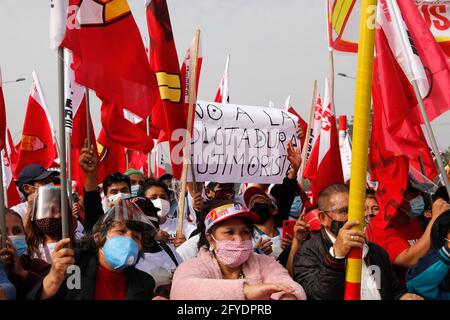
233 253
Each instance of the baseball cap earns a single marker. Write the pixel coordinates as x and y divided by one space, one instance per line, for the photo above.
228 211
253 193
33 172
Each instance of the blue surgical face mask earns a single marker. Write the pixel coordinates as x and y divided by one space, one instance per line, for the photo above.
296 207
121 252
417 207
19 243
135 190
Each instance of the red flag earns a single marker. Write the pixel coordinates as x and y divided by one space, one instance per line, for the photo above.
301 123
109 55
402 134
13 155
13 196
324 167
169 113
37 144
111 156
222 95
118 129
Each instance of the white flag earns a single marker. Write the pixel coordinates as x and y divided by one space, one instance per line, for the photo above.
58 17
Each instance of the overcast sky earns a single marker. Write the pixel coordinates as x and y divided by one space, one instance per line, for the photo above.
277 49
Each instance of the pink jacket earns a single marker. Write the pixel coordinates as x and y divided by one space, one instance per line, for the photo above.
200 278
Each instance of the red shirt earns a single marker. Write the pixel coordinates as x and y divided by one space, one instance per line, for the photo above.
395 238
110 285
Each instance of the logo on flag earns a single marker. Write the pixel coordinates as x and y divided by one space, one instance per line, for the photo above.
31 143
326 120
102 152
169 86
102 12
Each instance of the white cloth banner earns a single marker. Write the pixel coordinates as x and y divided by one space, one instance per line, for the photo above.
236 143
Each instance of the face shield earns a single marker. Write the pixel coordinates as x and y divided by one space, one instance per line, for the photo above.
47 203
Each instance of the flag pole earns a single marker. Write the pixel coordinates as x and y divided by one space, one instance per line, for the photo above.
88 118
69 169
426 120
126 158
62 147
308 131
149 155
360 144
5 187
186 154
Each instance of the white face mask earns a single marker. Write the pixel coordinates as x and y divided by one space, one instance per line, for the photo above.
119 195
163 205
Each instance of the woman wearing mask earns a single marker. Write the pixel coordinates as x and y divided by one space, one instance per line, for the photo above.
23 271
430 278
158 193
106 260
226 267
44 224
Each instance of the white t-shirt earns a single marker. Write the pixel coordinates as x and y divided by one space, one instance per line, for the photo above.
189 249
276 241
170 226
159 265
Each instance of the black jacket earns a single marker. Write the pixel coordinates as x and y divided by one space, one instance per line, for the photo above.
139 285
323 277
284 194
93 209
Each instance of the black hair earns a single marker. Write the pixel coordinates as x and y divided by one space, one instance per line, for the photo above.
370 194
165 176
203 241
115 177
150 183
441 193
440 229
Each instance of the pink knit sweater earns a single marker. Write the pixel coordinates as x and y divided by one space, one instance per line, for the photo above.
200 278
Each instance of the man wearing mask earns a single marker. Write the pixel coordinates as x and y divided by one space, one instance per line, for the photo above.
116 186
136 180
158 193
320 263
30 179
404 238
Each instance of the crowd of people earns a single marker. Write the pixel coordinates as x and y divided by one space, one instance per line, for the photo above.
125 241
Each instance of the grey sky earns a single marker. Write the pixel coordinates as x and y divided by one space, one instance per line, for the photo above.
277 48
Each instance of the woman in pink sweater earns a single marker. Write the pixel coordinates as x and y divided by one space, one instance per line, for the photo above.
226 267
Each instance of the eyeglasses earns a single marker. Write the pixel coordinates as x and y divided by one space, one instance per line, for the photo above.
343 211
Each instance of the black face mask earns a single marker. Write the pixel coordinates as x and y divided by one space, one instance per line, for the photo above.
264 212
336 226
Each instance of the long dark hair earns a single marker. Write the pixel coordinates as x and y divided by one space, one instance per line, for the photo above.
203 241
440 229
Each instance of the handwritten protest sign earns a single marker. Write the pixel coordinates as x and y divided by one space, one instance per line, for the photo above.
236 143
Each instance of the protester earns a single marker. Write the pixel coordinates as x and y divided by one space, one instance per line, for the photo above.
30 179
372 207
43 223
226 267
23 271
219 191
430 278
106 258
159 260
266 236
136 180
158 193
319 265
404 239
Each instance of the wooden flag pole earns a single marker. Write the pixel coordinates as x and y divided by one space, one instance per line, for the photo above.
360 144
62 147
186 154
308 131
